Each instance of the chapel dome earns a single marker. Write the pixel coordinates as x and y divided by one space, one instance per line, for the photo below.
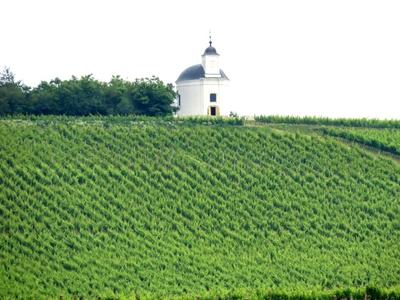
210 50
196 72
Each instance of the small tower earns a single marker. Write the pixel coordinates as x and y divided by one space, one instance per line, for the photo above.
201 87
210 61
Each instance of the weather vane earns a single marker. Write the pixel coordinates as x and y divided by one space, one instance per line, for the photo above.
209 35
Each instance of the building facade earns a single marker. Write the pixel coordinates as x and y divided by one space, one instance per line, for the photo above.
201 88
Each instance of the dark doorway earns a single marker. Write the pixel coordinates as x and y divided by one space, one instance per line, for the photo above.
213 111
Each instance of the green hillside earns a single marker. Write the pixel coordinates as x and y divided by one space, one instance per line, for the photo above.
381 139
131 207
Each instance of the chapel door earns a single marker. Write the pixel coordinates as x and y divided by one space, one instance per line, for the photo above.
213 111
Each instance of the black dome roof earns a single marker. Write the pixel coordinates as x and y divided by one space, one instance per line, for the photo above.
210 51
196 72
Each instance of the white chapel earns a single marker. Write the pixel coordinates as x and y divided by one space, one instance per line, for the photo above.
201 88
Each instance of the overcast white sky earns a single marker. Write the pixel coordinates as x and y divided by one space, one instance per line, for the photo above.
338 58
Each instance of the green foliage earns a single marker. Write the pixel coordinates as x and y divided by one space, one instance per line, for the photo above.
13 94
86 96
146 207
382 139
139 120
369 123
233 120
371 293
82 96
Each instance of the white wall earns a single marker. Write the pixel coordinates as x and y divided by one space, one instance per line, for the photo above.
211 65
213 85
191 98
195 96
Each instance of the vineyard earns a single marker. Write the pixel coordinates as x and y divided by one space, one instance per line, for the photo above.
341 122
145 207
381 139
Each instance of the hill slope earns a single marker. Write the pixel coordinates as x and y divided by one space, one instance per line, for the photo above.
96 208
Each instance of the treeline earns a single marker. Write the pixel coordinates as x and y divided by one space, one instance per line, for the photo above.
86 96
369 123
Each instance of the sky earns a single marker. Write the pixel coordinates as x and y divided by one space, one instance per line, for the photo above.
334 58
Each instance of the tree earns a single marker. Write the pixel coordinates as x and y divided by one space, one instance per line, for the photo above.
45 99
13 94
151 97
116 100
7 77
75 96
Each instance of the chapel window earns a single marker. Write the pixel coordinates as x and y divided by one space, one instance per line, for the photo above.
213 97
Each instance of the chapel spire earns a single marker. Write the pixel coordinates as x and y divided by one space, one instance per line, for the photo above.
210 50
